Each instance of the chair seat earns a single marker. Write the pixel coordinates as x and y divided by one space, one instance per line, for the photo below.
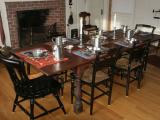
100 75
90 27
123 63
36 75
39 87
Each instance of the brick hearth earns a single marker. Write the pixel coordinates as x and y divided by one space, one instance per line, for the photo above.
56 15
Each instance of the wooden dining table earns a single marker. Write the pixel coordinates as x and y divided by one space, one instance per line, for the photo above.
77 63
74 62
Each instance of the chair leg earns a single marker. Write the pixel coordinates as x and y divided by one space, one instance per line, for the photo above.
127 84
72 91
145 62
32 101
110 92
121 75
60 103
139 77
15 103
62 85
92 100
145 65
65 75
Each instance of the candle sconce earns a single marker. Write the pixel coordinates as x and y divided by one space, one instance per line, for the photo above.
157 14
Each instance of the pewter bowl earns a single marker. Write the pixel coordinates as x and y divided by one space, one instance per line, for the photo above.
37 53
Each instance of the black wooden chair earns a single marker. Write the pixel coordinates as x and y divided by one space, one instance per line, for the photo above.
145 28
27 89
96 80
131 67
87 27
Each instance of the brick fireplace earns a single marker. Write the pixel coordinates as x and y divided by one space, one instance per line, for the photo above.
56 15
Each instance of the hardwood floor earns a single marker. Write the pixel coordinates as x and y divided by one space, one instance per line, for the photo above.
140 105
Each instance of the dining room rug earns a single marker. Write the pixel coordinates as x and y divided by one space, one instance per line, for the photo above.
154 60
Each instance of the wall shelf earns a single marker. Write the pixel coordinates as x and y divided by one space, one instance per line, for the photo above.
156 17
156 14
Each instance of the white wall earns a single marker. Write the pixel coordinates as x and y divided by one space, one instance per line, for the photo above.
84 5
95 7
105 15
142 14
123 6
124 10
77 7
5 22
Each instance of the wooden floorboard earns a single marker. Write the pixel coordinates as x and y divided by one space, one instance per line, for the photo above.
140 105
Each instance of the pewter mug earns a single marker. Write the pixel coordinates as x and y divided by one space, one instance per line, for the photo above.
97 42
58 52
124 28
128 34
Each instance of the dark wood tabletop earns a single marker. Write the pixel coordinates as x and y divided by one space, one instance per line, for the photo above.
139 36
72 62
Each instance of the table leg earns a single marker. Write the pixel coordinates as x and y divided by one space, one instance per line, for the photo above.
78 106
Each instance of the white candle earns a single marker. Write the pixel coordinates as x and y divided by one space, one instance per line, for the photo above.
97 41
114 20
81 25
100 32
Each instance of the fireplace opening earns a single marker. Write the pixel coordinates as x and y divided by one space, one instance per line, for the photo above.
32 26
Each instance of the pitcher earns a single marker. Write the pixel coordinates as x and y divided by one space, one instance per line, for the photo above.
124 28
58 41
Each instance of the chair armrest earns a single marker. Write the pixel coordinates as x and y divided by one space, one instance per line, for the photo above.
36 75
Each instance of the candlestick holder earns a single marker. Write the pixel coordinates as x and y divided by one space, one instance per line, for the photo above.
81 41
114 33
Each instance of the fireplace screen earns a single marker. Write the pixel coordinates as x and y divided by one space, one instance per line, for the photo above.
31 26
